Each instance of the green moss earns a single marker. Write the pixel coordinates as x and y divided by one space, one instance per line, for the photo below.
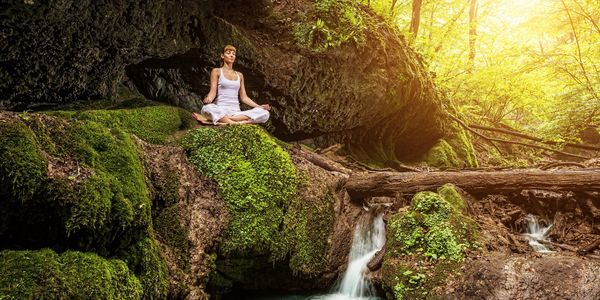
432 227
337 22
441 155
256 178
427 243
43 274
153 124
451 195
173 234
146 261
22 167
307 227
101 197
460 141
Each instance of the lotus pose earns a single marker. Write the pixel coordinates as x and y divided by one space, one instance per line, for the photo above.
226 90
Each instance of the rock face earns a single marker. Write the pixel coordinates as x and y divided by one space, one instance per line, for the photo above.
329 68
365 87
60 51
189 218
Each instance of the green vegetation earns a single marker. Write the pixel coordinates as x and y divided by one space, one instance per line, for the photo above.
22 168
93 197
441 155
337 22
307 226
173 234
43 274
145 260
256 178
529 66
427 243
153 124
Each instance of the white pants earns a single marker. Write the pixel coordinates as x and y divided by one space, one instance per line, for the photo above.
215 113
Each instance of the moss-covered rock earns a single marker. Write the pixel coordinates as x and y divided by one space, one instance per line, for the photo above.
54 58
441 155
23 169
426 244
44 274
454 151
307 226
146 261
282 215
93 196
154 124
256 178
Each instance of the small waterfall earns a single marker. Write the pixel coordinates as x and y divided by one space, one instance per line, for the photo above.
536 233
368 239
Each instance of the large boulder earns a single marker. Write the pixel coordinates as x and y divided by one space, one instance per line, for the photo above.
61 50
329 68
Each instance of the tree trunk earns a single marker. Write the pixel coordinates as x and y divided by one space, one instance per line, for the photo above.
361 185
416 17
392 7
472 32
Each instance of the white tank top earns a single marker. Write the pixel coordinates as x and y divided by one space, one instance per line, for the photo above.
228 92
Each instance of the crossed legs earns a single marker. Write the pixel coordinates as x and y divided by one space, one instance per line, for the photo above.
237 119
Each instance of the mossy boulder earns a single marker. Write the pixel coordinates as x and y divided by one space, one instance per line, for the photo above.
441 155
330 74
153 123
55 59
85 190
426 244
256 178
455 150
44 274
274 224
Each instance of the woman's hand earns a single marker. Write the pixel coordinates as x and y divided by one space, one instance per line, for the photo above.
265 106
207 100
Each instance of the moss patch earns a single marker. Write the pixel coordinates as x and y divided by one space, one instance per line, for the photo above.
306 229
337 22
22 167
153 124
256 178
146 261
441 155
427 243
93 196
173 234
43 274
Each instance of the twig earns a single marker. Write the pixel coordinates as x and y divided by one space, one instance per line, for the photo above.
533 138
557 164
465 126
589 248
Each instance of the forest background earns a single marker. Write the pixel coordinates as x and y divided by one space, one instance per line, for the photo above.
526 65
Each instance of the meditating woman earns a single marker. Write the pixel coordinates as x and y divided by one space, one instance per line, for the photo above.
226 90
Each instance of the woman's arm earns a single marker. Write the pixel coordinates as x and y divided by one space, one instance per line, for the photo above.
244 97
214 78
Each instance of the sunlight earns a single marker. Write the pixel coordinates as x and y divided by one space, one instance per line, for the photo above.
515 12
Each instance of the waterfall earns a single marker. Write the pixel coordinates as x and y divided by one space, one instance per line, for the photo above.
368 239
536 233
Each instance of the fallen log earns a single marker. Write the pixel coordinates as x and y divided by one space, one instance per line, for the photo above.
374 184
589 248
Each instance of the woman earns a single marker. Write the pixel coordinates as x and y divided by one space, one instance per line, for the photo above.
226 89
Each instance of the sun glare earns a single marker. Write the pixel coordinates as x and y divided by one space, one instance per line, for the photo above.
514 12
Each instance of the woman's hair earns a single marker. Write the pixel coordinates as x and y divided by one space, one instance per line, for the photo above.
225 49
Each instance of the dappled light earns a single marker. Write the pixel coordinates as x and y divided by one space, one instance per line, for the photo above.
529 65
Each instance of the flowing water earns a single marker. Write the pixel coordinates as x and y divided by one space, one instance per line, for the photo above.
536 233
369 237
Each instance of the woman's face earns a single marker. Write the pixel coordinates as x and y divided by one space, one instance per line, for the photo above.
228 56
